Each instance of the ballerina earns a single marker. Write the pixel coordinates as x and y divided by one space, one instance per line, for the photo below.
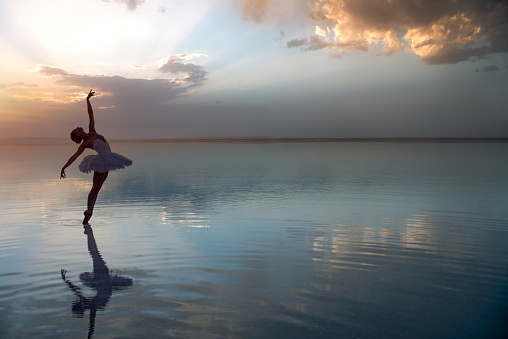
100 163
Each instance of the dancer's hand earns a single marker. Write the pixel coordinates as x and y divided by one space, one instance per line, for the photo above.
62 174
90 95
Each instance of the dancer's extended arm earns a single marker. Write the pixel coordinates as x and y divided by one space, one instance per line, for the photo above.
80 150
73 287
91 125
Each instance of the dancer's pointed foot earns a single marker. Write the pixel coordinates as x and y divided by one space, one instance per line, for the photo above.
88 215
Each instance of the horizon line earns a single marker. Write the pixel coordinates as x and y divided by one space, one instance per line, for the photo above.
265 139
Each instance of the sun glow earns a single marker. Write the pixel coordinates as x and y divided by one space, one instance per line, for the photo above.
95 38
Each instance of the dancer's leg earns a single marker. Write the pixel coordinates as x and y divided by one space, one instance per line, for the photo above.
98 180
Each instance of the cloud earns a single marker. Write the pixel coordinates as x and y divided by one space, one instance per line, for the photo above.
297 43
121 91
175 64
36 93
439 31
255 9
490 68
336 49
50 71
18 85
132 5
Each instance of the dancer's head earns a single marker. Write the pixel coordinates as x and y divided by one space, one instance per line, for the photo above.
78 134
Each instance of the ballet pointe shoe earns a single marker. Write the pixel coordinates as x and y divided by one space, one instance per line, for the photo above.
88 215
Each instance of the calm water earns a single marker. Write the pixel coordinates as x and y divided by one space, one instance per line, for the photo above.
303 240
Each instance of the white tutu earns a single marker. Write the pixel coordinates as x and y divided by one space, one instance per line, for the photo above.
104 160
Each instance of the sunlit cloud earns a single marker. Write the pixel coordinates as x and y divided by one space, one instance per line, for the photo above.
256 9
50 71
37 93
439 31
287 12
335 49
177 64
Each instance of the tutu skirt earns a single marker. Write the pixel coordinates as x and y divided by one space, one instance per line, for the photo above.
104 162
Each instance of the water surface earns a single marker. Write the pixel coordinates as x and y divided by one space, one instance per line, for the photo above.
322 240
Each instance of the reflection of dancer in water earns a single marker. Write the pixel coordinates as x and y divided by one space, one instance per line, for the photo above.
101 163
100 280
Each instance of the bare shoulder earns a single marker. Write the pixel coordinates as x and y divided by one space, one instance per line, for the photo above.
87 143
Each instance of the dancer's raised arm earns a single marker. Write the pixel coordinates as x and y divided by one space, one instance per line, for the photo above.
91 125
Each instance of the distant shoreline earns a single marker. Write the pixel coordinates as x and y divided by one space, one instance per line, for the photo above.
54 141
294 140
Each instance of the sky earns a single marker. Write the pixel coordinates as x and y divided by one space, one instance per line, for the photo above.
251 68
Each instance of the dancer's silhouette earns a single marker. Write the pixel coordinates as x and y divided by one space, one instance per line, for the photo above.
101 280
101 163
